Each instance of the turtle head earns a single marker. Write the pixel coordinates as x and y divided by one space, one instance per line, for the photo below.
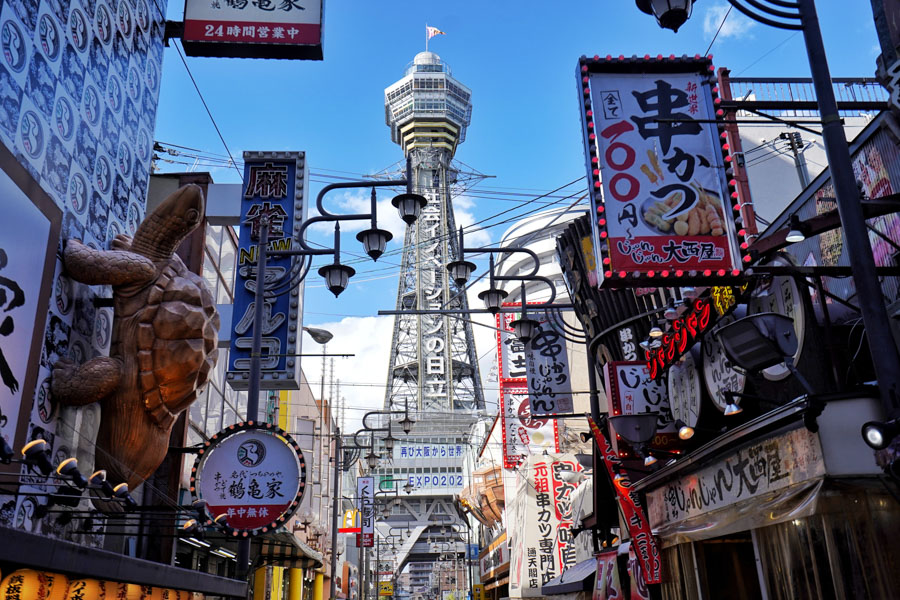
162 231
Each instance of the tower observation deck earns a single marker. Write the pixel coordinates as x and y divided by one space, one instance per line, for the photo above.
433 371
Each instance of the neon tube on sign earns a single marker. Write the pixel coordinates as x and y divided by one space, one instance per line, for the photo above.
685 331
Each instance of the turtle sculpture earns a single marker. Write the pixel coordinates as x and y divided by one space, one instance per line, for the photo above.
164 339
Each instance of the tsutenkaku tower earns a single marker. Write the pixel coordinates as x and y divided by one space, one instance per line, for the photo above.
433 367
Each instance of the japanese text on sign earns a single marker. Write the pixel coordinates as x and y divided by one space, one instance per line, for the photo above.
510 350
630 391
629 501
365 493
522 433
549 384
271 194
663 186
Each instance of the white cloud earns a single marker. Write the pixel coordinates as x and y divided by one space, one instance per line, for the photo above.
359 202
462 212
362 376
737 26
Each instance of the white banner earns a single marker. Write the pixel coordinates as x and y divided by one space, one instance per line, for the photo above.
541 545
549 383
523 434
365 494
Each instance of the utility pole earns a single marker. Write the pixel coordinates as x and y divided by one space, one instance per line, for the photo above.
335 504
795 142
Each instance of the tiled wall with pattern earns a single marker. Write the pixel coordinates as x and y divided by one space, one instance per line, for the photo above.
79 88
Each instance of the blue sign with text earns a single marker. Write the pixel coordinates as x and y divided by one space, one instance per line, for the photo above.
273 192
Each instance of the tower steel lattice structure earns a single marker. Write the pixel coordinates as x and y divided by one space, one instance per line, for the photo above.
433 365
433 370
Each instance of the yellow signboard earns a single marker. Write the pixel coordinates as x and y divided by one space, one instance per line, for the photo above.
385 588
479 591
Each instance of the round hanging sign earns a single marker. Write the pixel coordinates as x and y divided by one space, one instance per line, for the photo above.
252 473
717 372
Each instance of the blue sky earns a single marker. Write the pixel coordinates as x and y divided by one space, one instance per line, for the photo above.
519 60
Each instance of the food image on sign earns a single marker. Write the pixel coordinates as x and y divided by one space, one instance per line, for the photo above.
703 218
255 475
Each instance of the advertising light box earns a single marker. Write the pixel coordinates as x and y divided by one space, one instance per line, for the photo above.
253 28
274 186
658 170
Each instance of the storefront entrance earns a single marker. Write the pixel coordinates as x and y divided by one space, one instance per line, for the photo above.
726 568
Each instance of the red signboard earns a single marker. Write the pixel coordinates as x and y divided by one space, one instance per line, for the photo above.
638 528
523 434
608 585
661 204
259 29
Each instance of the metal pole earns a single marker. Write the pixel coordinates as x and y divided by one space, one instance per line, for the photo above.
243 553
471 583
362 573
336 488
882 347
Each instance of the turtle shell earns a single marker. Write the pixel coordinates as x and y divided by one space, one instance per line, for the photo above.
176 341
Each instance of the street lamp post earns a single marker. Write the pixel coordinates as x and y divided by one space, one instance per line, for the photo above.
800 15
336 276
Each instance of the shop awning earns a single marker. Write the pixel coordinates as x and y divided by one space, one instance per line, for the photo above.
496 584
283 549
577 578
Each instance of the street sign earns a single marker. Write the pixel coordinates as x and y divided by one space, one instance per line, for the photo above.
365 492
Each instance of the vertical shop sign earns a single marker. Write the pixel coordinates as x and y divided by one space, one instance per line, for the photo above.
639 589
365 494
659 197
273 189
544 555
630 391
523 434
510 351
608 585
562 505
630 503
541 543
549 384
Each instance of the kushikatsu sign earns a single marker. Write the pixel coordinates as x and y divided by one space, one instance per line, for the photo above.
254 474
657 170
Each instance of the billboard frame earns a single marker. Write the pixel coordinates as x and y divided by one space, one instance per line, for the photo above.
664 274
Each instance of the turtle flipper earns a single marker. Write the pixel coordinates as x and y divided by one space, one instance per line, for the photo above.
101 267
75 385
